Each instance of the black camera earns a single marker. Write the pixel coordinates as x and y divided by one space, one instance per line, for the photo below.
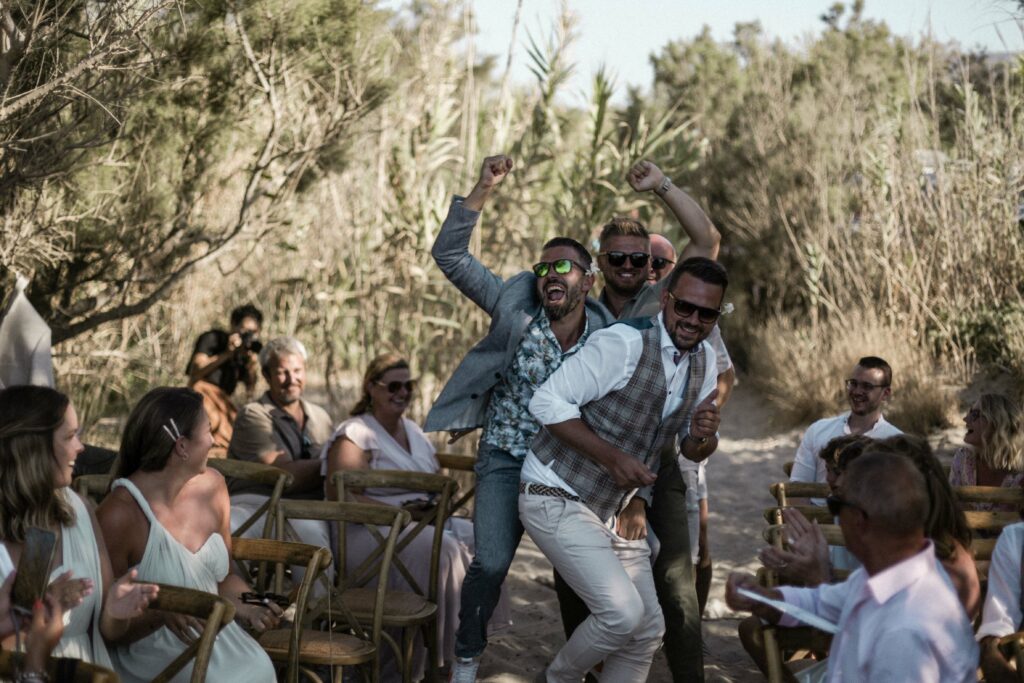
250 342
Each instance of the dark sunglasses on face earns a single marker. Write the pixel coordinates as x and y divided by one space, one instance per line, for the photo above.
852 384
637 259
835 504
658 262
561 266
395 386
684 309
972 415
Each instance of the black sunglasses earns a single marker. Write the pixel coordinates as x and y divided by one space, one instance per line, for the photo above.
638 259
561 266
852 384
684 309
393 387
659 262
835 504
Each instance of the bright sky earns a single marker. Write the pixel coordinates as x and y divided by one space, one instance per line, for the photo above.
623 33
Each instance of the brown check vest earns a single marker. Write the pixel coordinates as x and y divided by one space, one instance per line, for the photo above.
629 419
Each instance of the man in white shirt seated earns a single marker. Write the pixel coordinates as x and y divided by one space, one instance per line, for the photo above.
607 413
867 389
898 617
1003 611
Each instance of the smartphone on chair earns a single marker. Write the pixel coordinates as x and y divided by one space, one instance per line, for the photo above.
34 569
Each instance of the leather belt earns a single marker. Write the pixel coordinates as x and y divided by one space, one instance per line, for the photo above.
542 490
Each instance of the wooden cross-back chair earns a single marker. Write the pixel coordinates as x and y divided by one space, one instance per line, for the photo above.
339 611
462 467
57 669
299 647
399 611
258 473
214 611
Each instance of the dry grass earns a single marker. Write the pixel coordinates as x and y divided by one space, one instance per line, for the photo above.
801 369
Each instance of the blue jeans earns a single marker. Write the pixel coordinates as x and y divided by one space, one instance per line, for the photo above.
497 532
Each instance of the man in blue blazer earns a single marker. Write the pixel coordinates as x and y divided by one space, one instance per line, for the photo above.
538 318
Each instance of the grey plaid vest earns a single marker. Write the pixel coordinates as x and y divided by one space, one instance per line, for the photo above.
630 419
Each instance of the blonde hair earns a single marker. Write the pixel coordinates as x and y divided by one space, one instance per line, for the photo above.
29 417
377 369
1004 447
624 227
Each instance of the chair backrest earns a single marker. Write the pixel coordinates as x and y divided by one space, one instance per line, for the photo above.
259 473
286 554
393 519
441 487
461 468
215 611
92 487
57 669
784 490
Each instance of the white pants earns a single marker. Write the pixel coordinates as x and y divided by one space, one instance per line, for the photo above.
612 576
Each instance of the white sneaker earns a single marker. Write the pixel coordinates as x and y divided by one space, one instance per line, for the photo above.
464 670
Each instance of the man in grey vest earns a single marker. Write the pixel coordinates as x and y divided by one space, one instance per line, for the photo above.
538 319
607 413
625 261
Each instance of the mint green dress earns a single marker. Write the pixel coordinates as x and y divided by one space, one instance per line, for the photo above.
236 655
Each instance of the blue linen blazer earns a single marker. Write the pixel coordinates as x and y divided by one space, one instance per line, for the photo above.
512 305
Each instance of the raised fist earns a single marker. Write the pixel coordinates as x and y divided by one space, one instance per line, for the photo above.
494 170
644 176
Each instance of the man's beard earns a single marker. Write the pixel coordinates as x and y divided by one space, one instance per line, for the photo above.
573 296
627 291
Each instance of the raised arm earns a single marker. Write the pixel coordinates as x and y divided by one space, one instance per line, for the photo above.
704 236
451 248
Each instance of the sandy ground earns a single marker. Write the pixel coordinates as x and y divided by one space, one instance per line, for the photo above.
749 458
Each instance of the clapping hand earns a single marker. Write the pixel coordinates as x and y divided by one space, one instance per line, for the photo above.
128 599
805 561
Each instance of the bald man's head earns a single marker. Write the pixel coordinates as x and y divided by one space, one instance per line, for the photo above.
663 257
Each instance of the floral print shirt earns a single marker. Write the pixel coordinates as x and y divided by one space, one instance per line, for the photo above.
509 425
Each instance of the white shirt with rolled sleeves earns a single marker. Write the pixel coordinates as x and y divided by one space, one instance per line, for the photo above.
807 466
605 364
1002 614
902 624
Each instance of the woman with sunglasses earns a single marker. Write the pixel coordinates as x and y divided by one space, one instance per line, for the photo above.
378 436
994 454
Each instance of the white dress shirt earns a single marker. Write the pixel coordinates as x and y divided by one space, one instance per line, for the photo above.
606 364
902 624
807 466
1002 615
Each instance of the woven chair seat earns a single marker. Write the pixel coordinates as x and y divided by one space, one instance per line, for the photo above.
318 647
400 608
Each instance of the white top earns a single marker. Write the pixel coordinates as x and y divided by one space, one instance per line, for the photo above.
902 624
807 466
605 364
386 453
1002 615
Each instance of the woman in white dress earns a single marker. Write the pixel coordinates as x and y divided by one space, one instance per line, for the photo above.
38 446
379 437
171 517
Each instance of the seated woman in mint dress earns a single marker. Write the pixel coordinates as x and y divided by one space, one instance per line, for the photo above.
994 454
170 517
38 447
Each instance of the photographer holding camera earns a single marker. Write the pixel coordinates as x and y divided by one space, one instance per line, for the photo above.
219 362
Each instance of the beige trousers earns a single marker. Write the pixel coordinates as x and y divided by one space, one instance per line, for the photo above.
612 576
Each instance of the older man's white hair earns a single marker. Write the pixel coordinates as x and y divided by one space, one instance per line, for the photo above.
281 346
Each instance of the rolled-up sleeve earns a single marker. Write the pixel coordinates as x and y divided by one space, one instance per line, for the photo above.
604 364
1002 611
